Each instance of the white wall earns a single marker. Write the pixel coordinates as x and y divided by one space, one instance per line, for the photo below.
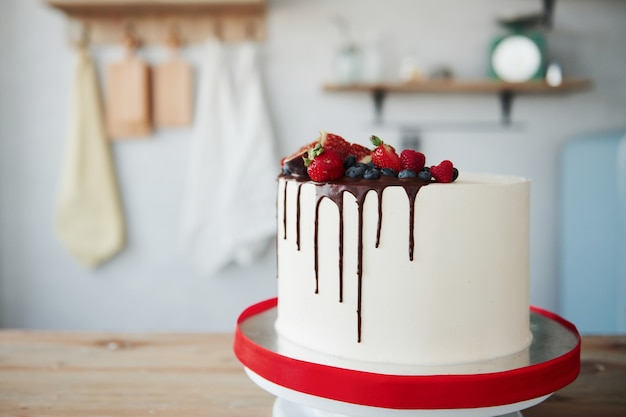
151 286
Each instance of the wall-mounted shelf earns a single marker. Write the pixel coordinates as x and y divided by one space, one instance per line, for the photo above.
153 20
506 91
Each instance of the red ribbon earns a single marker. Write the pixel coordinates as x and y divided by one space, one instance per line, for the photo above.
408 391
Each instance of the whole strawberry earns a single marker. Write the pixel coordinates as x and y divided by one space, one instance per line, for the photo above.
333 142
412 160
323 164
385 156
444 172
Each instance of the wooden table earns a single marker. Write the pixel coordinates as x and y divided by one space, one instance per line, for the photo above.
96 374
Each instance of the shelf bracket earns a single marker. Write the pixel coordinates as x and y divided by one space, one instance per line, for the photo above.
506 102
378 95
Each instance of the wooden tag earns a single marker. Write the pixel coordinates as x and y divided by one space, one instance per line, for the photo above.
172 93
128 99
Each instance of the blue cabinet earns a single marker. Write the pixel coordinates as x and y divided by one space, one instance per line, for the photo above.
592 219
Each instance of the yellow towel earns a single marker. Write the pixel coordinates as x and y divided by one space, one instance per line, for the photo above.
89 218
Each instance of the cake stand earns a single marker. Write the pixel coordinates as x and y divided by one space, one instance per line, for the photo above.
311 384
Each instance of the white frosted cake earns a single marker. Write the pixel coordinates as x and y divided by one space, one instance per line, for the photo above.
404 270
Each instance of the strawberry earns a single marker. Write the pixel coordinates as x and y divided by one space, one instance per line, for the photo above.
412 160
444 172
323 164
361 153
336 143
385 156
294 163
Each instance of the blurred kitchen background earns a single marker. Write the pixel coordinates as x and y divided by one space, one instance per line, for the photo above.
569 143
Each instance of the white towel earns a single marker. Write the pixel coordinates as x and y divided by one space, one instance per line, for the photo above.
229 206
89 219
251 195
212 131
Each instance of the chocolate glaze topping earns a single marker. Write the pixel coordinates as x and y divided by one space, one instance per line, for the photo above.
359 188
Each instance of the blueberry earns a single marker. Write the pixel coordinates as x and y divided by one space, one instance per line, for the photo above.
427 169
362 165
424 175
455 174
388 172
372 174
349 161
371 165
286 170
407 173
355 171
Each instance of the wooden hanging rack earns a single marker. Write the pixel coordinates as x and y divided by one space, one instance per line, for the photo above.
153 20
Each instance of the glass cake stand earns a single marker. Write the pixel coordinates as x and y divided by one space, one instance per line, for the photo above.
311 384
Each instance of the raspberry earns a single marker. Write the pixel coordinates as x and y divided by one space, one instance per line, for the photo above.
444 172
412 160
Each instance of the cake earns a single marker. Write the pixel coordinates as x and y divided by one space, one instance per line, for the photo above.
414 265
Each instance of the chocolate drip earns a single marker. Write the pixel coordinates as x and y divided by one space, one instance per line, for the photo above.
411 193
298 217
340 206
359 189
359 266
316 240
380 217
285 212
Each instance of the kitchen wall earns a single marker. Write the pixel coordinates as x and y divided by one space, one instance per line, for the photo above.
151 285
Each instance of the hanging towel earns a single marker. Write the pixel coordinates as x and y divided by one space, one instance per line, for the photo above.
229 208
89 219
202 227
252 176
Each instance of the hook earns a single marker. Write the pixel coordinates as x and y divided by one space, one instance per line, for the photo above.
218 28
82 41
174 38
130 40
251 30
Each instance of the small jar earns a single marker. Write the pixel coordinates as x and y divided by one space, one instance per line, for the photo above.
348 65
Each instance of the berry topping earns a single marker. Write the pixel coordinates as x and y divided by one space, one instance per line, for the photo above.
424 175
385 156
407 173
361 153
336 143
323 164
355 171
388 172
412 160
371 174
349 161
331 157
444 172
294 163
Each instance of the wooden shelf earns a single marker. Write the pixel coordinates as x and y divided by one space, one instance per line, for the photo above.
506 91
102 7
153 20
454 86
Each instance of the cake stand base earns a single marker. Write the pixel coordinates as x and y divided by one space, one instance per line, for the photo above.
311 384
290 403
284 408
